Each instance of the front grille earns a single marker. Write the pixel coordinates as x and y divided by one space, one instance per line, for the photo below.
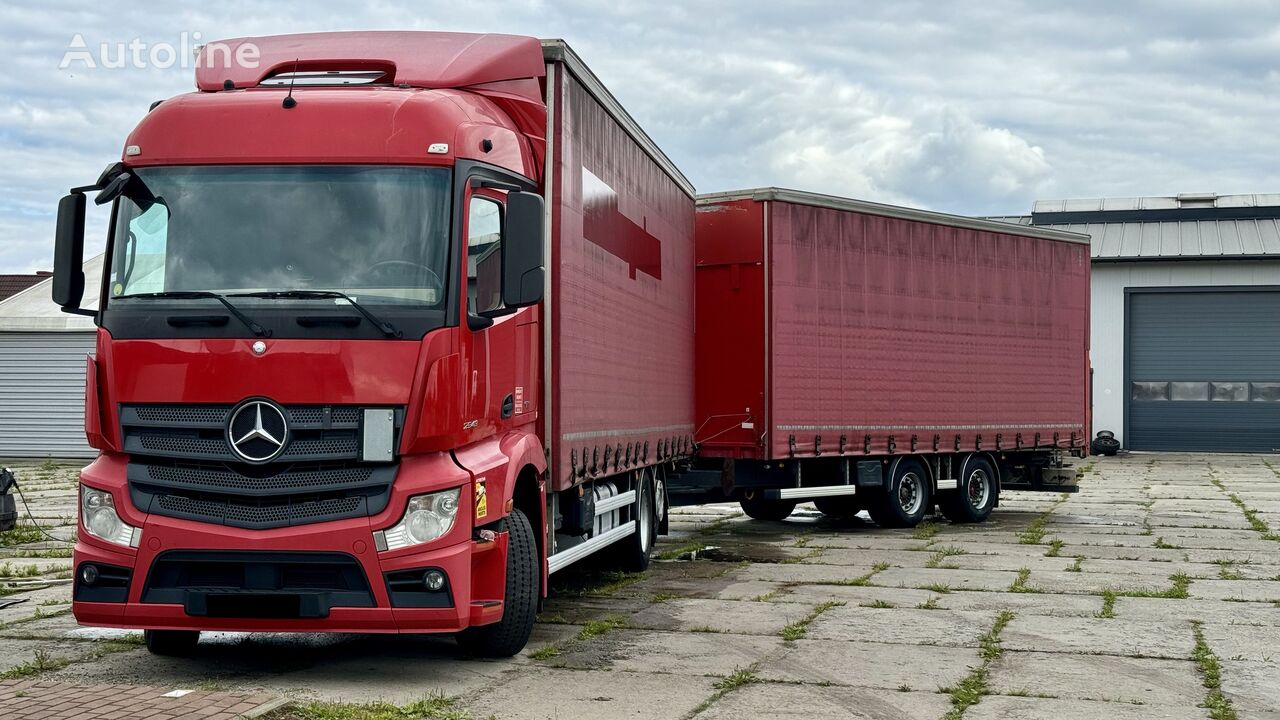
181 465
257 583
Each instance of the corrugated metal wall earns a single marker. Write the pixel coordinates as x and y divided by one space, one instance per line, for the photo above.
42 394
1204 370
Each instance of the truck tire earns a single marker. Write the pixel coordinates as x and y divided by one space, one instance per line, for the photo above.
171 643
906 499
633 554
758 508
975 493
840 508
509 635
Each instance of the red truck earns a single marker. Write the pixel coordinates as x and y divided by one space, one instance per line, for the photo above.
865 356
393 326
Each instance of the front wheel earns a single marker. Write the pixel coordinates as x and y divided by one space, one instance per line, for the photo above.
906 499
171 643
757 508
509 635
975 493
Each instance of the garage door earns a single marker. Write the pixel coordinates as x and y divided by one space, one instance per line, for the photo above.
1204 370
42 394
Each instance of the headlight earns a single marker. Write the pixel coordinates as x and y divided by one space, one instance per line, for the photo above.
98 514
427 518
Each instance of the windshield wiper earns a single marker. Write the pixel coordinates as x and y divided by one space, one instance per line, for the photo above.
387 328
198 294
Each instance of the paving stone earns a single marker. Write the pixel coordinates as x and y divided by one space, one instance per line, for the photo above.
1211 611
896 625
742 617
1097 636
1023 708
795 702
880 665
547 694
801 573
683 653
1098 677
854 595
1249 590
1023 603
1251 686
1092 583
1244 642
953 579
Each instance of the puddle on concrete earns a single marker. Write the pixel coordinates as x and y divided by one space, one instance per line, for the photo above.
751 552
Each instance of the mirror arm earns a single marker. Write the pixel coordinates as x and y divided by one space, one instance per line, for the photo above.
476 323
80 311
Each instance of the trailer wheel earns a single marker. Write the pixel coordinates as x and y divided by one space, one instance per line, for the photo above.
634 553
906 499
839 508
975 493
757 508
509 635
171 643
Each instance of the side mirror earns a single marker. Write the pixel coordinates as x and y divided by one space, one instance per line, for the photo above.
523 262
68 253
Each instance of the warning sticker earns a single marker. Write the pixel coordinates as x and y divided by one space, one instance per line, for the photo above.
482 499
519 399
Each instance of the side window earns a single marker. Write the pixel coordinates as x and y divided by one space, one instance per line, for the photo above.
142 270
484 255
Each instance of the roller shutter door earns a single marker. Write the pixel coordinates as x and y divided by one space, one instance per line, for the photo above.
1204 370
42 394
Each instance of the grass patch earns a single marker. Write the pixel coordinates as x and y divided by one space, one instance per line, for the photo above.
862 580
797 629
969 691
1108 610
545 653
9 570
436 707
706 629
688 548
925 530
813 553
663 597
940 588
1077 566
936 559
1162 545
877 604
21 534
1211 677
596 583
1035 532
1055 548
596 628
1020 583
1180 583
1227 570
930 604
738 678
766 597
41 663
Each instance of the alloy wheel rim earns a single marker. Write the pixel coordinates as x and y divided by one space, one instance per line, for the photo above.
978 489
910 495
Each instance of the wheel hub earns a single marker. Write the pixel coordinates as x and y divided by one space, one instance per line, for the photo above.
910 493
977 488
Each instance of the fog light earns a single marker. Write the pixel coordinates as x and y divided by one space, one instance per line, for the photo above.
88 574
434 580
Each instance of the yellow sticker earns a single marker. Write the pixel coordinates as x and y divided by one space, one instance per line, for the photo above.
482 499
117 289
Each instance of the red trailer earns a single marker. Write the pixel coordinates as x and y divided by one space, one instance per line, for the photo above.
870 356
335 388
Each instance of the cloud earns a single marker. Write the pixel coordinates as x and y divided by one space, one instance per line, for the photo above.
972 108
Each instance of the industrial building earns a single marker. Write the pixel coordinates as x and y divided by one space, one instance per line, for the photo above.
1185 316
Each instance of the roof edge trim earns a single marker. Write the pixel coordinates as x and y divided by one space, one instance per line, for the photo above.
800 197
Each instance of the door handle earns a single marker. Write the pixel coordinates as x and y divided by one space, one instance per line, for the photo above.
508 406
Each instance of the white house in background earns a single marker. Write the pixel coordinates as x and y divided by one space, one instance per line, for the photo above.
1185 315
42 364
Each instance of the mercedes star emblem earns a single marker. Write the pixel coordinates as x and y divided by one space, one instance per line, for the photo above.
259 347
258 431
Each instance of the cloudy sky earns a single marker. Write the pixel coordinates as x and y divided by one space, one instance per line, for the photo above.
973 108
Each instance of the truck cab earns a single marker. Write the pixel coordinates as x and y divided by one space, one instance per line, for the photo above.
317 384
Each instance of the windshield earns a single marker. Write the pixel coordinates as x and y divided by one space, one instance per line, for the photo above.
376 233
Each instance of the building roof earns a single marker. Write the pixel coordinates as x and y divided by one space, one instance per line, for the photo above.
1189 225
11 285
33 309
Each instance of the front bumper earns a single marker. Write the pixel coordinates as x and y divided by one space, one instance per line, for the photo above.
475 572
